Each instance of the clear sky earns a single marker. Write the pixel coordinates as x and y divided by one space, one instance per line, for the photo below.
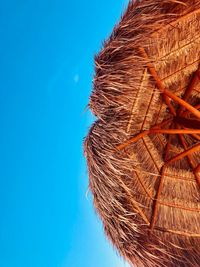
46 69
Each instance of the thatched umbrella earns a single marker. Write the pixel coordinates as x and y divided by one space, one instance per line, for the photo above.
143 152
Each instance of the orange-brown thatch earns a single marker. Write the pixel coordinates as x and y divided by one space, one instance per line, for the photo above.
143 152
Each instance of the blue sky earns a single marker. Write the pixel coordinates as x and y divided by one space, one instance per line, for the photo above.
46 69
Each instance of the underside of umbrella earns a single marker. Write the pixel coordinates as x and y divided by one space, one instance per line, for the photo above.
143 152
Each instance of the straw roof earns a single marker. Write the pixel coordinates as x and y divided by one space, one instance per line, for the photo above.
143 152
